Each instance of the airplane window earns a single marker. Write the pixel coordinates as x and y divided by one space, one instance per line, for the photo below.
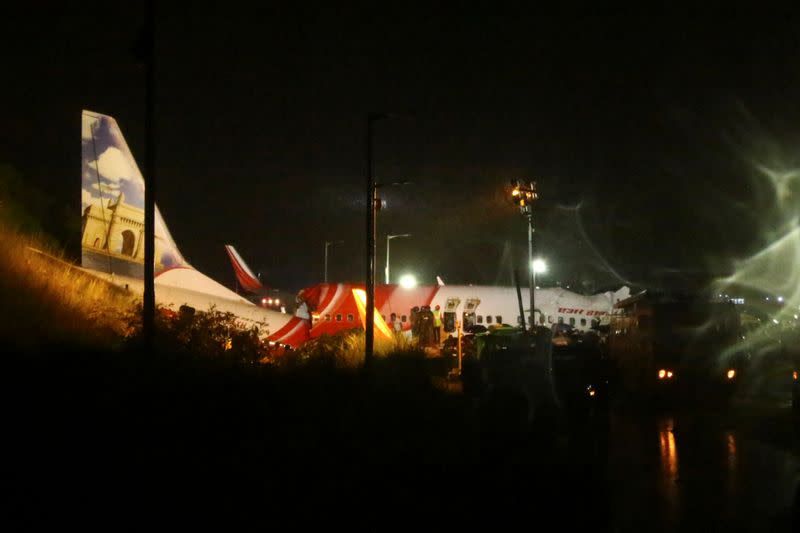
338 317
519 321
403 318
583 321
480 319
488 319
561 320
571 321
550 319
350 317
499 319
328 318
541 319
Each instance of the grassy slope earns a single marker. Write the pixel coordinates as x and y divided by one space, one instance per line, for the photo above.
46 300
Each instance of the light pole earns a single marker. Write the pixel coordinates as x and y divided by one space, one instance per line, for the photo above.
328 243
149 293
369 334
538 266
373 204
389 238
523 195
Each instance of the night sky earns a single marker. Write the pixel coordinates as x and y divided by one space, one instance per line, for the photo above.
655 140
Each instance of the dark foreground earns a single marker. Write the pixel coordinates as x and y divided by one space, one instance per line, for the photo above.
120 439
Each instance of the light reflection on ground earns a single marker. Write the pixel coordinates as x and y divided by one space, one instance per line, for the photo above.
693 471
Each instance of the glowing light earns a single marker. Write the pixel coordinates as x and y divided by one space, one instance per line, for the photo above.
269 301
794 375
264 301
669 374
539 266
775 321
408 281
780 299
515 192
277 301
669 452
379 323
662 373
731 373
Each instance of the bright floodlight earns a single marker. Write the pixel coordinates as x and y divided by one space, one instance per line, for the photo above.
408 281
539 266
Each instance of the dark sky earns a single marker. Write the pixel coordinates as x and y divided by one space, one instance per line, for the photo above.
649 136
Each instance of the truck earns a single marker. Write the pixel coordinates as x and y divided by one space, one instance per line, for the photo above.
667 346
522 377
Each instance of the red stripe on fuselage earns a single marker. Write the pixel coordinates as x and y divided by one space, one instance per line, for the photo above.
388 299
293 333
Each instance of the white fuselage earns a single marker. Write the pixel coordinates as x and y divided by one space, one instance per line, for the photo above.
492 305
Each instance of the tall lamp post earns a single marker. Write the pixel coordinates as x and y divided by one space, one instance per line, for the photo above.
328 243
389 238
373 204
538 266
523 195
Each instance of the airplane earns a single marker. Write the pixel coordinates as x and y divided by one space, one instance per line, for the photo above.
251 284
332 307
112 231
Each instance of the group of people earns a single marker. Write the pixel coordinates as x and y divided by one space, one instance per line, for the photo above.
426 325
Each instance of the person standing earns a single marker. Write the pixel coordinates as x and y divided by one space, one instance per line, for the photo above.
397 325
437 325
425 321
415 322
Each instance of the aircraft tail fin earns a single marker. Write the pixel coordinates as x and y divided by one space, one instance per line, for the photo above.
112 205
247 280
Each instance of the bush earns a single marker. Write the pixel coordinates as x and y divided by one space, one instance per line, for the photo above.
211 333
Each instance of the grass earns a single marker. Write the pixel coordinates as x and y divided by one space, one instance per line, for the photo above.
45 299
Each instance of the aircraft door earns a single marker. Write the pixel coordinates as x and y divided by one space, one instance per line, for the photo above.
449 317
469 312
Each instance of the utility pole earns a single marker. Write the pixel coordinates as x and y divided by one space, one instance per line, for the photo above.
369 333
149 297
373 204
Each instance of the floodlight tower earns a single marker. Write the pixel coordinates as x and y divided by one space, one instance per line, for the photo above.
523 195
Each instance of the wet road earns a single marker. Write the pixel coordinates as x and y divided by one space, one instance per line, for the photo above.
681 470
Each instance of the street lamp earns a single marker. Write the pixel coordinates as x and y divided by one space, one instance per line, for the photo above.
523 195
389 238
328 243
408 281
